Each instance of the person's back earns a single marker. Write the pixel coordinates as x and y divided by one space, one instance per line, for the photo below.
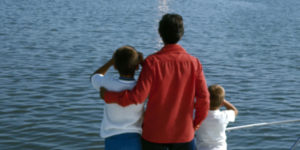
172 80
174 73
211 134
121 126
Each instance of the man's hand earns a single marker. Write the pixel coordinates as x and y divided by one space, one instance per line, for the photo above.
102 92
197 127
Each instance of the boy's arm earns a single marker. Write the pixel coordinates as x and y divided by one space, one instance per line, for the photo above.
230 106
202 99
135 96
103 69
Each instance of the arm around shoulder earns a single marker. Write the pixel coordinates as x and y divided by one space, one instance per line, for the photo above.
135 96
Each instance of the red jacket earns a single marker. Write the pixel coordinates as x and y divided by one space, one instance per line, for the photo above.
175 85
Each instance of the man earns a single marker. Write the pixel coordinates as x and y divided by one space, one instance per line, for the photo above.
175 85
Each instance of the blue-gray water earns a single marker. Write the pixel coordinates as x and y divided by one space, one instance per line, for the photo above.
48 49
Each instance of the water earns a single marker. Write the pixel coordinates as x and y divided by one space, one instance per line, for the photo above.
48 49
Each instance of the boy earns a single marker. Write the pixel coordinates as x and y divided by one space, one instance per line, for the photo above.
172 80
211 134
121 126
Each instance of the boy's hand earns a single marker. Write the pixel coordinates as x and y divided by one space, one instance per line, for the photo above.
141 58
102 92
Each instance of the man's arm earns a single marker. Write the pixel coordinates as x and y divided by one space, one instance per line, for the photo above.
230 106
202 100
135 96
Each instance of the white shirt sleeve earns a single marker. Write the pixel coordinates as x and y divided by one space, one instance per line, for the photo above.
97 81
229 115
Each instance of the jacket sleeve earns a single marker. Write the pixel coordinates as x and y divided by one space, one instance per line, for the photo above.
138 94
202 98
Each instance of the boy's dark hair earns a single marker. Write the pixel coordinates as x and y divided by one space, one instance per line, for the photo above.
217 95
126 60
171 28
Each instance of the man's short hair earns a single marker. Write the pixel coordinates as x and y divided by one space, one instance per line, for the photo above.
171 28
126 60
217 95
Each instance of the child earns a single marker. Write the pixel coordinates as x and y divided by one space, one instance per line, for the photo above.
121 126
211 134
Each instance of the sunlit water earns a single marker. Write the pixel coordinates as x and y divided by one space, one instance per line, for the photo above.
48 49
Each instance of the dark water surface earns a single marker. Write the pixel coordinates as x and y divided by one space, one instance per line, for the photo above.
48 49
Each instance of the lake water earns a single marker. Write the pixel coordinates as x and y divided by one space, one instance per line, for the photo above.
48 49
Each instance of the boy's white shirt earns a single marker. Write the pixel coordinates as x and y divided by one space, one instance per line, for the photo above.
117 119
211 134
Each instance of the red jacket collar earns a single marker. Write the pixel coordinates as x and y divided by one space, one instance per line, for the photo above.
172 48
